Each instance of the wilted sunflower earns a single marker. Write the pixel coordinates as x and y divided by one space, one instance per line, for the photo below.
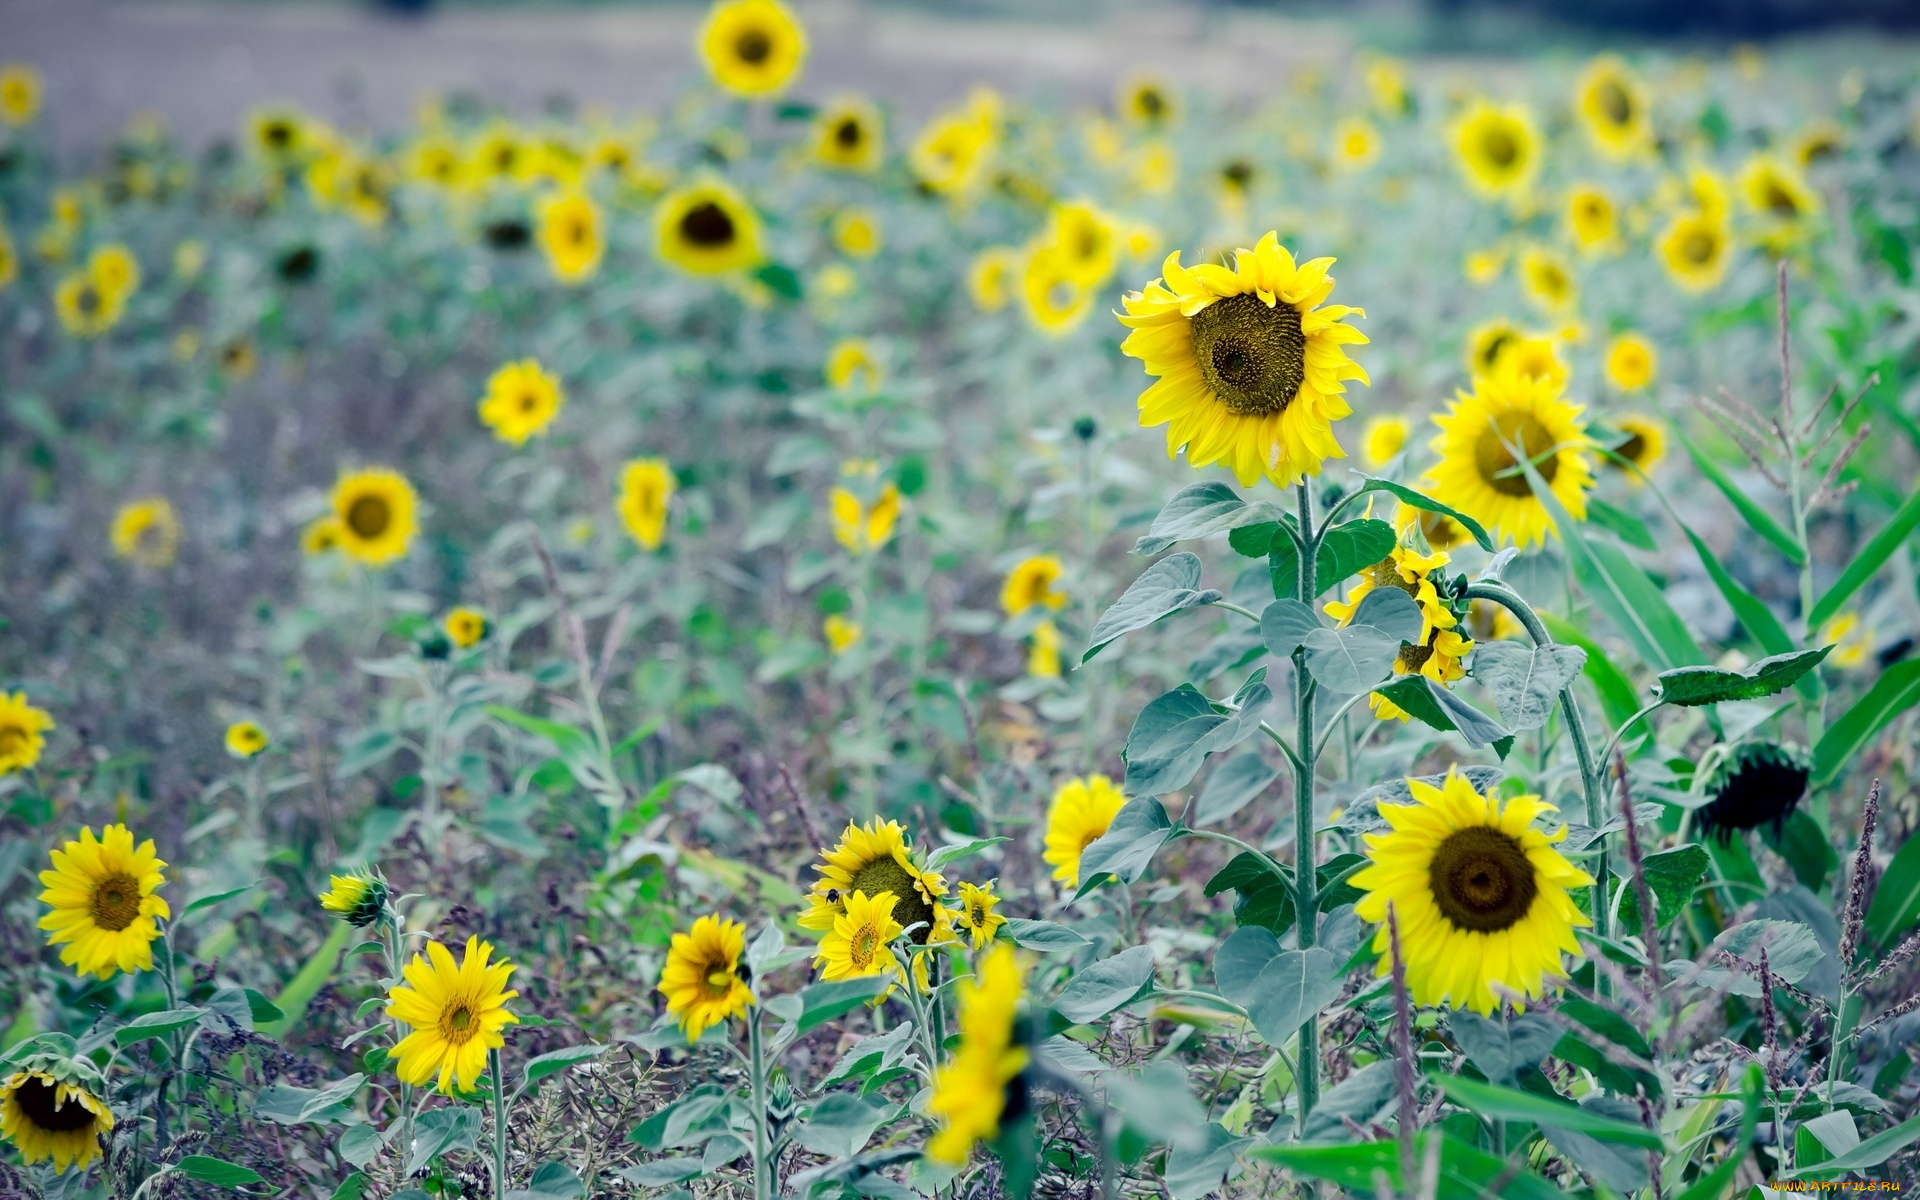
1757 783
976 914
245 739
1251 368
752 47
707 229
1498 148
1613 107
1592 218
1548 280
85 309
49 1114
856 233
1480 895
466 627
1478 473
991 277
456 1011
522 400
1147 102
980 1087
874 858
1081 812
146 531
842 634
849 133
19 93
375 512
859 942
1031 583
1695 250
1384 438
105 900
852 365
952 154
1632 362
1056 301
646 492
701 980
22 732
572 234
862 527
1644 443
357 898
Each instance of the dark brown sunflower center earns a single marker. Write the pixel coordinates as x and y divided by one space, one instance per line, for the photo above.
1481 880
116 902
847 134
1633 448
279 135
1780 202
1699 247
887 875
1386 574
1499 148
369 516
1237 173
1615 102
753 47
528 402
1413 657
861 949
707 226
1496 463
1253 355
1150 103
39 1103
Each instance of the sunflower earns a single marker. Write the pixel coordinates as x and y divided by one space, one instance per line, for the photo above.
522 400
146 531
1057 302
1441 648
457 1012
356 898
1083 240
435 160
848 133
245 739
860 940
1478 473
1776 192
851 364
976 915
1030 583
1487 343
753 47
1386 82
646 491
1592 218
860 527
1156 168
1695 250
1147 102
466 627
9 259
1548 280
707 229
1533 357
500 154
1043 651
572 233
1498 148
1384 438
1632 362
1644 443
980 1086
1817 143
104 897
280 135
19 93
115 269
85 309
1851 639
1613 107
701 980
48 1114
991 277
22 732
856 232
842 634
1356 144
1480 895
375 512
1251 368
320 536
1081 812
953 153
1757 783
874 859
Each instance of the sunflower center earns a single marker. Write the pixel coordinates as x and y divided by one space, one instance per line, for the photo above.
1698 248
369 516
1253 355
88 301
459 1024
528 402
1413 657
753 47
1779 201
1615 102
707 225
1237 173
1496 462
847 134
1499 147
887 875
719 981
1481 880
116 902
39 1102
1632 448
1151 103
977 915
861 949
1387 574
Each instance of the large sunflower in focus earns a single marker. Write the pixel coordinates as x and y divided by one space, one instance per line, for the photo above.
874 859
1478 473
1251 369
456 1012
104 894
1613 107
707 229
374 510
1498 147
753 47
1480 895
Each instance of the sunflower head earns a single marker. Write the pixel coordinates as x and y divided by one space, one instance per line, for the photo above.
1851 638
357 898
874 859
1484 438
1384 438
572 233
280 135
1548 280
1695 250
85 308
849 133
953 153
1437 531
976 915
53 1107
1080 814
1084 241
841 633
457 1012
522 401
146 532
1613 107
646 492
1775 191
1757 783
860 940
1147 102
22 732
753 47
19 93
852 365
707 229
1031 583
1498 148
1643 442
863 526
320 536
1632 362
981 1086
1056 301
374 512
114 269
104 902
245 739
466 627
1356 143
856 233
992 276
703 980
1592 218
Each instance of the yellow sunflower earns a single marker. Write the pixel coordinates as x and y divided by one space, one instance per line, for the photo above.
1083 239
1384 438
146 531
48 1118
1613 107
456 1012
435 160
9 259
1498 148
991 277
357 898
646 491
852 365
374 509
320 536
1819 142
1776 192
1043 651
1031 582
1851 638
861 527
279 134
953 153
842 634
572 233
19 93
1632 362
466 627
849 133
1533 357
1082 811
1057 302
245 739
971 1090
84 308
1548 280
1251 368
1478 473
105 900
1645 444
522 400
701 980
1479 894
500 154
874 859
114 269
22 732
1487 343
976 915
707 229
1695 249
1439 653
1356 143
1147 102
856 232
753 47
860 940
1592 218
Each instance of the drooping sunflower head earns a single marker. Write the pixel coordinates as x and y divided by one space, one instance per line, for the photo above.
522 401
52 1109
19 93
856 233
146 532
357 898
104 900
1412 571
981 1086
853 365
466 627
849 133
646 492
1613 107
456 1011
1632 362
1031 583
1081 812
1498 148
375 512
572 233
859 940
1695 249
1757 783
1592 218
1488 342
1385 437
753 47
1479 893
702 980
245 739
707 229
22 732
1252 370
874 858
1485 435
1643 442
1776 192
991 277
1147 102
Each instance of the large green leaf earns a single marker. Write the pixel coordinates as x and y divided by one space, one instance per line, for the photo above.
1671 876
1754 616
1198 510
217 1171
1757 518
1896 902
1466 1172
1167 587
1868 1154
1618 699
1713 1185
1426 503
1128 846
1097 990
1621 524
1689 687
1892 694
1174 734
1526 682
1867 563
157 1024
1511 1104
1345 550
1440 709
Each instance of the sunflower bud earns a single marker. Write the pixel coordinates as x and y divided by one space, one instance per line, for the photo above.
357 899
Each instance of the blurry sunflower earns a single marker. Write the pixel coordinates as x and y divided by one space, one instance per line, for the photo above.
991 277
522 400
435 160
1643 443
1251 369
842 634
851 365
19 93
375 511
753 47
952 154
849 133
980 1086
1757 783
1083 237
466 627
1487 343
1236 178
1490 622
47 1109
1478 473
115 270
646 490
1777 194
1056 301
1548 280
572 235
1147 102
1439 531
1356 144
1480 895
22 732
1043 651
1498 148
1386 82
1613 107
320 536
146 531
1533 357
859 941
9 259
105 900
874 859
862 527
500 155
1081 812
1156 168
245 740
279 135
856 233
1851 639
456 1011
357 898
702 980
1695 250
1031 583
85 309
1632 362
1817 143
707 229
976 914
1384 438
1592 218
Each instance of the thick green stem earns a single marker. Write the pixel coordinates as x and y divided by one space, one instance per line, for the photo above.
762 1151
1306 902
498 1071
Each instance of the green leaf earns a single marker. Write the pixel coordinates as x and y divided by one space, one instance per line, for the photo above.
953 854
1231 787
1109 984
1896 901
158 1024
439 1130
369 749
841 1123
1620 523
1264 899
1618 699
1175 732
1292 986
1754 616
1511 1104
1526 682
1690 687
1127 847
1466 1172
1440 709
206 902
359 1144
1285 625
1868 1154
261 1009
1200 509
1608 1024
353 1186
662 1172
1167 587
1805 847
217 1171
1047 936
551 1181
1426 503
781 279
823 1002
1671 876
312 976
1757 518
1345 550
1867 563
1892 694
574 747
555 1061
1200 1169
1502 1048
1714 1184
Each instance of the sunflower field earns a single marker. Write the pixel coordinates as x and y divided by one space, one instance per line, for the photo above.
593 654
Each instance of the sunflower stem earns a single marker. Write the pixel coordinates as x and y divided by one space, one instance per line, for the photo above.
762 1167
496 1069
1306 861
